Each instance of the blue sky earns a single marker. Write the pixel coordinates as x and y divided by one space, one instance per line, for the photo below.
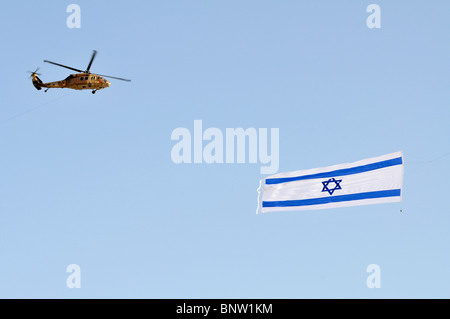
88 179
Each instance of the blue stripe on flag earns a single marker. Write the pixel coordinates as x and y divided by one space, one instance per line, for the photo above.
333 199
339 172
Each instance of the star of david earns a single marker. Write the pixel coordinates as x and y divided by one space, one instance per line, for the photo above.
331 190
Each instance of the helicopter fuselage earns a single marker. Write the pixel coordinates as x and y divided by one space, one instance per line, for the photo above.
85 80
79 81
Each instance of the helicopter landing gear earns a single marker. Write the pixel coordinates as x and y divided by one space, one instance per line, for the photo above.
93 92
47 90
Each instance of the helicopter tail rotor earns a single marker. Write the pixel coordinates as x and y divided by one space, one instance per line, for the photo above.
36 80
34 73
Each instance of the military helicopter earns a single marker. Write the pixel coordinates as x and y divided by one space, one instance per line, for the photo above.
85 80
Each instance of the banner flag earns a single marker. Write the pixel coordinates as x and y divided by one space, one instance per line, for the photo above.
371 181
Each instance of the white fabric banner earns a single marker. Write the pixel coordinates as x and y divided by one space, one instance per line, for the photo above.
370 181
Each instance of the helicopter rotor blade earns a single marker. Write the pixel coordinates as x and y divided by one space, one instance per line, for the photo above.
64 66
92 60
113 77
34 72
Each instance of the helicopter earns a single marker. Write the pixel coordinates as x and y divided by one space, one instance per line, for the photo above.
85 80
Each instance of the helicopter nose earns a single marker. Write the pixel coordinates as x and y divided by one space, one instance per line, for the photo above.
108 83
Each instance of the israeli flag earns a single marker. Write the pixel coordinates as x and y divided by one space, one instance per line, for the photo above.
370 181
